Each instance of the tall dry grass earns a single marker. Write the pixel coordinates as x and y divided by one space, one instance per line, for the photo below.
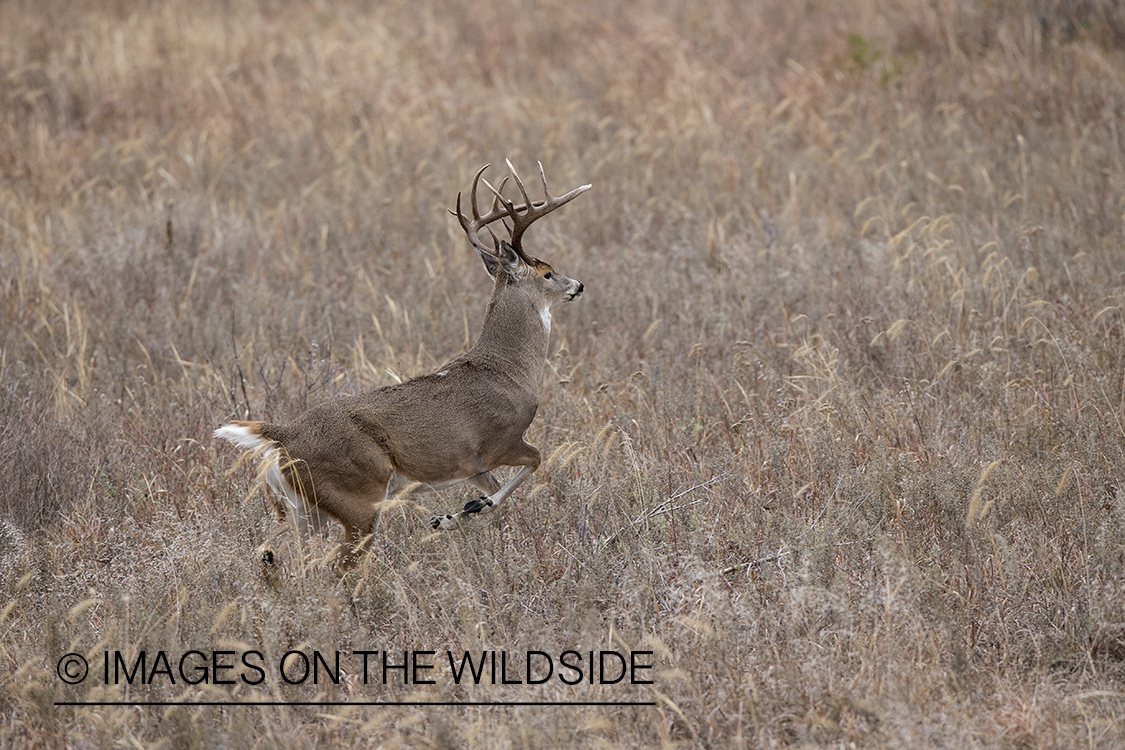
836 430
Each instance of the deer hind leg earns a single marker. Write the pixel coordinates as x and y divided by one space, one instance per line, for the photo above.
526 456
357 507
288 504
303 517
354 499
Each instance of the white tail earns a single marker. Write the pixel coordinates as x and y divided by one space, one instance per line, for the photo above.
241 436
459 423
269 456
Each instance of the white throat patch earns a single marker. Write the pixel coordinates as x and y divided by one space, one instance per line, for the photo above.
545 315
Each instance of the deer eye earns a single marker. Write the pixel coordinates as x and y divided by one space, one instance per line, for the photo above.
548 275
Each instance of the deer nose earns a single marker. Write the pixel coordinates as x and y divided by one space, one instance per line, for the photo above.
580 287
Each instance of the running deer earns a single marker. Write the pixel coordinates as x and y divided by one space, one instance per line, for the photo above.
459 423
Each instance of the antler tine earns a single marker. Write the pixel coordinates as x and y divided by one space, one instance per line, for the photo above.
473 194
519 184
564 199
543 177
497 194
495 239
464 221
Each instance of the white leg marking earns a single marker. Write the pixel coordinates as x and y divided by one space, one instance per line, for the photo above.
507 489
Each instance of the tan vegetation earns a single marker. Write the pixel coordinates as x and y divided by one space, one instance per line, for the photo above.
836 429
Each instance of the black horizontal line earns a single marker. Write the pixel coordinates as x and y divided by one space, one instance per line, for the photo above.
355 703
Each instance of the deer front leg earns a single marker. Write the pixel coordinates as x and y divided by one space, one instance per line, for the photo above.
485 482
486 504
528 459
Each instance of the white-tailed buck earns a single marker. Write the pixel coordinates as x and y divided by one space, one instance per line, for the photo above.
459 423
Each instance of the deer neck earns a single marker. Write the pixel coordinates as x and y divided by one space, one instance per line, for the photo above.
515 333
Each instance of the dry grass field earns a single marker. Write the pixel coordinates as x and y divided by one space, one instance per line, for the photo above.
836 431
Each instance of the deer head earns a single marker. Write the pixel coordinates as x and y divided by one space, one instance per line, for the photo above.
507 262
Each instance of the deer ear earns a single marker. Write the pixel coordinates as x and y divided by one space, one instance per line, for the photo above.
509 257
490 262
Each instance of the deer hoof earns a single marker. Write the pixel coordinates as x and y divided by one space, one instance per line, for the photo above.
265 554
442 522
484 505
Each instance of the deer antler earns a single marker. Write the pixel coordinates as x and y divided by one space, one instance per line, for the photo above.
522 215
531 211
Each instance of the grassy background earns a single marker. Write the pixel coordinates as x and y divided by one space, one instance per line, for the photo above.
836 429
